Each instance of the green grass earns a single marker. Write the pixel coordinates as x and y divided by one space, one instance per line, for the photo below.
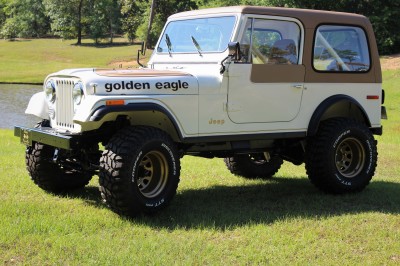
216 218
29 61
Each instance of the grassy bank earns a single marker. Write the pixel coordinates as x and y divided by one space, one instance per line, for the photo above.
29 61
216 218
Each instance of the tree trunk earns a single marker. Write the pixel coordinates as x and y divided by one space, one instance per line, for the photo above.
111 32
152 10
79 42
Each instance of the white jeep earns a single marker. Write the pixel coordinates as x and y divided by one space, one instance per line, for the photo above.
253 85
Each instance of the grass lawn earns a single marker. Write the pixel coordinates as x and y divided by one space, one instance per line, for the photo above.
29 61
216 218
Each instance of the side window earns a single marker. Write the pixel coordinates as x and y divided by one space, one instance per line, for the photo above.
267 41
341 49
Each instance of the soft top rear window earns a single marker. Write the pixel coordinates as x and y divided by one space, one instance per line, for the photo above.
341 49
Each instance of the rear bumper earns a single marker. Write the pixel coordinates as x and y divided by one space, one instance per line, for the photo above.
48 136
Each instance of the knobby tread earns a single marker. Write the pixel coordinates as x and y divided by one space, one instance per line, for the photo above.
50 176
320 169
242 166
116 165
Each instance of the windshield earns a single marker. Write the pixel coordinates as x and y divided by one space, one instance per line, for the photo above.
202 35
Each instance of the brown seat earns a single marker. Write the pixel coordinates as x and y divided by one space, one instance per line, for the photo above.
283 52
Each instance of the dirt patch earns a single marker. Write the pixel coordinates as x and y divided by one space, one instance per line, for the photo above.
390 62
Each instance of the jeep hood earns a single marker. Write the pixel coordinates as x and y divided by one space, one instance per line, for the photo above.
132 81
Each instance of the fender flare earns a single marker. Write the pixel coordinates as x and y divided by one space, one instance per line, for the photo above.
102 111
38 106
326 104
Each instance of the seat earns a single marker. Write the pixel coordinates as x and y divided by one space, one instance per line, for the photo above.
283 52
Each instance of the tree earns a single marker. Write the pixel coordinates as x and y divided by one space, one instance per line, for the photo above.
114 18
132 13
67 17
3 4
24 18
151 18
103 20
162 11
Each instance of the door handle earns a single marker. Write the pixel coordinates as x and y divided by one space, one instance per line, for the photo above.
298 86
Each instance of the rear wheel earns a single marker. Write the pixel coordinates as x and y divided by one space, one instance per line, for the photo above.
254 165
342 157
139 171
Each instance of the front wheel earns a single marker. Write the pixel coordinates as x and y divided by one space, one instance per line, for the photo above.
139 171
342 157
51 176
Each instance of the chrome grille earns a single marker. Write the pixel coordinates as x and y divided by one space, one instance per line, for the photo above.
64 104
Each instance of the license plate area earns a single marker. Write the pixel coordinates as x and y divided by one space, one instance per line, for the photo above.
26 137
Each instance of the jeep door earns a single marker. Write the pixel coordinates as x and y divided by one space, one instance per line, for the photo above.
267 84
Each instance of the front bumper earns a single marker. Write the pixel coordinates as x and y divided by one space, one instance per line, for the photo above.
48 136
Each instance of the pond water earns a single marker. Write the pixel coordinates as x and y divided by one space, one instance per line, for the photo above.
14 99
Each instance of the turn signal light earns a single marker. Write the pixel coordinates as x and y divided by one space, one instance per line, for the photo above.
115 102
372 97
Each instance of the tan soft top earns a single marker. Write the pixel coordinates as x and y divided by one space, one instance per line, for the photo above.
310 19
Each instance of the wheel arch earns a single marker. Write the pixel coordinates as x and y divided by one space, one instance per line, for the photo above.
141 114
337 106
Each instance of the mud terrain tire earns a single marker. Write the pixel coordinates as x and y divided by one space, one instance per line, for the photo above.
253 165
139 171
51 176
342 157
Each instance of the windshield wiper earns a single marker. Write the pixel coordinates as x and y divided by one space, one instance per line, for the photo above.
197 45
169 44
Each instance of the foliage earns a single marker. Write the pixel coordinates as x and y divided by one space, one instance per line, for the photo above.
103 19
111 11
2 12
132 13
66 17
163 10
23 19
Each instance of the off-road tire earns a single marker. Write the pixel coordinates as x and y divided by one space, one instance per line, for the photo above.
342 157
249 166
51 176
139 171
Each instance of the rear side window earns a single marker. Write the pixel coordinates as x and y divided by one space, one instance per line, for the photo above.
341 49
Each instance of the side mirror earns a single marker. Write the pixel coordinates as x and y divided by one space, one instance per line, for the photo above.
234 51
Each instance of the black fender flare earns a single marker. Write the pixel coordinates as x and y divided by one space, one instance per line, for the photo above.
326 104
102 111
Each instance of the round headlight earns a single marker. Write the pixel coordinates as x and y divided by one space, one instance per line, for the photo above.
77 93
50 91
